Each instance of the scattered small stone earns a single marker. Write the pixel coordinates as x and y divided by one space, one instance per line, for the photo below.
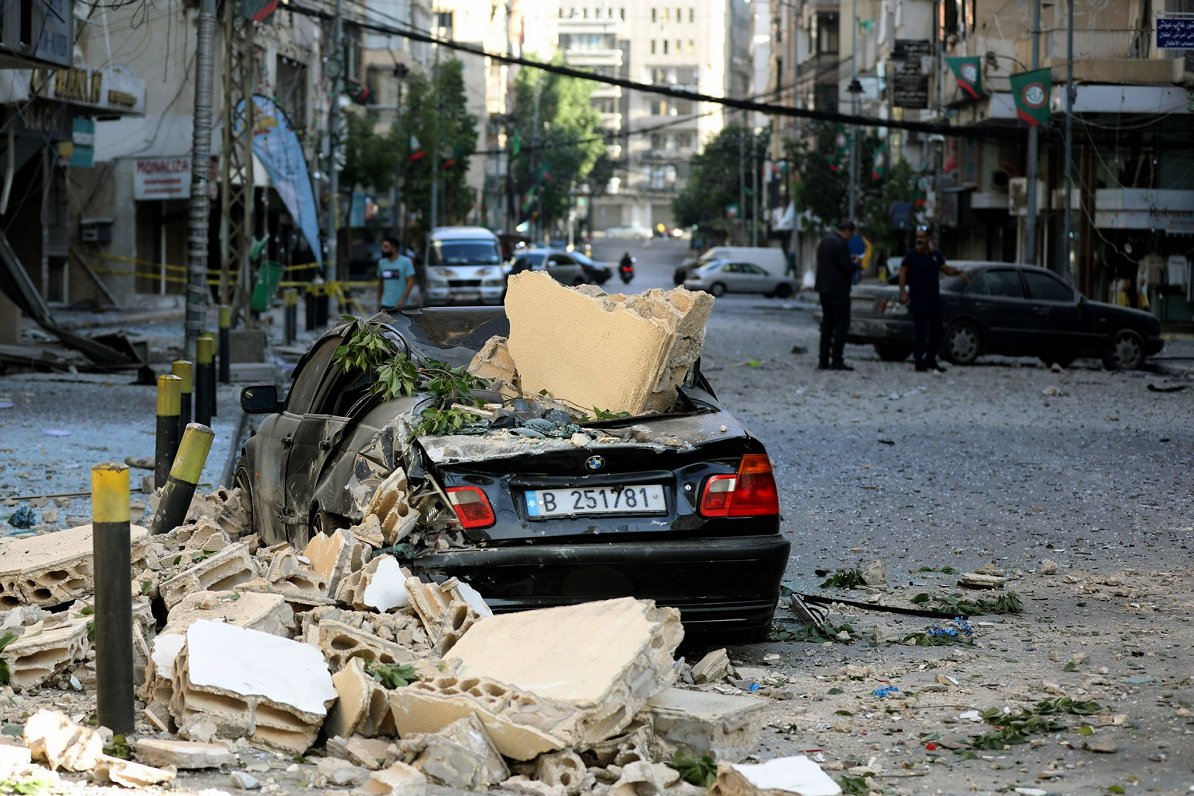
1103 746
244 781
1048 567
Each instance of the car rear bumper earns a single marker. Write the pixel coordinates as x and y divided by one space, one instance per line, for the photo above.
879 330
723 585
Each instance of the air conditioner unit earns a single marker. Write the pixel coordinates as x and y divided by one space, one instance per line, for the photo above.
1017 196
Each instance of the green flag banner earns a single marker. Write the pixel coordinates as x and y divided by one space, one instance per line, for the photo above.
1031 91
968 71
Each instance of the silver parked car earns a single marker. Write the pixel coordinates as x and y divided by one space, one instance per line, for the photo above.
719 277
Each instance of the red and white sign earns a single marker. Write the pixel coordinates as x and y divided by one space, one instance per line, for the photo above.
162 178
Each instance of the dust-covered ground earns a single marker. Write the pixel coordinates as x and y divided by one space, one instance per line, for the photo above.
1074 485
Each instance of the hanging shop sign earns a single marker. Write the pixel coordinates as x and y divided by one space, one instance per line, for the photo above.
106 90
162 178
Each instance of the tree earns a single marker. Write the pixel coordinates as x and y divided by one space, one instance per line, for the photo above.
371 159
555 141
436 132
715 188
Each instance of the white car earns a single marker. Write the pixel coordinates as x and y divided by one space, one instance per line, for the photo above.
719 277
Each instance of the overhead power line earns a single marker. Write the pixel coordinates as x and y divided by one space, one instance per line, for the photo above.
929 128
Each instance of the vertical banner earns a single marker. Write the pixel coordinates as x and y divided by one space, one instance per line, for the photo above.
1031 92
968 71
277 146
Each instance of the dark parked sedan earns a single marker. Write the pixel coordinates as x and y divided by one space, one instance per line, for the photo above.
1011 309
679 507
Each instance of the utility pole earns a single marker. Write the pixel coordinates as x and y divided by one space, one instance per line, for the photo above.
333 213
855 90
535 142
1033 143
200 206
435 139
400 73
742 177
754 190
1068 268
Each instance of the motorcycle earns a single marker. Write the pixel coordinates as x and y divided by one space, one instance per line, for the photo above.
626 269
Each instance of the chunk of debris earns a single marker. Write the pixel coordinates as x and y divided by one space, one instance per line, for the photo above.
706 723
797 775
292 572
713 668
378 586
342 643
875 574
392 509
606 658
336 773
54 568
372 753
268 613
58 742
643 776
272 690
185 755
446 609
399 779
129 773
230 567
45 650
336 555
976 580
618 353
461 755
564 770
494 364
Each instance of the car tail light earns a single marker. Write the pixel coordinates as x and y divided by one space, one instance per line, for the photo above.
749 493
471 506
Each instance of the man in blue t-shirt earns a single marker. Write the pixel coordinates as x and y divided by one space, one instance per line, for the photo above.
920 276
395 277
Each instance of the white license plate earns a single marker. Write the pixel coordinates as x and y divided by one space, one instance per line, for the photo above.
640 499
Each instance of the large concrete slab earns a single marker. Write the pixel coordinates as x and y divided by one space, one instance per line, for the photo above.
725 726
54 568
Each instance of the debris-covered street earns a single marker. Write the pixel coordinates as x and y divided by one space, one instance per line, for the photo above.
1049 507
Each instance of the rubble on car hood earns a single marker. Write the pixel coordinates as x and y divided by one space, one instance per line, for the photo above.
409 681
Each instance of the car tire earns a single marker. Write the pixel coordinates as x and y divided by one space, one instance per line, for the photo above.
1126 351
962 343
244 482
892 353
717 290
783 291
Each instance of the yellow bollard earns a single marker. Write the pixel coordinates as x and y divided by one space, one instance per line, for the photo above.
112 563
166 442
205 378
184 476
182 368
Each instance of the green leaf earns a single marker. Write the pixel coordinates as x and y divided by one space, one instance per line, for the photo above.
700 771
392 675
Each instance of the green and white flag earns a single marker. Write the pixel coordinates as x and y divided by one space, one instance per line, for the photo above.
968 71
1031 91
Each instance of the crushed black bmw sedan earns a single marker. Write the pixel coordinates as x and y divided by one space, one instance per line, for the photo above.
531 506
1010 309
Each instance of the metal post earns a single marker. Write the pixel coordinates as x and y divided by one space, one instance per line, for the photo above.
166 438
435 139
400 73
1033 139
182 369
290 316
204 378
333 211
1068 268
184 476
754 189
200 205
742 178
225 340
112 563
852 200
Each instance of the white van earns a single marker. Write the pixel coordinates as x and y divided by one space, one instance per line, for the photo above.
463 265
772 260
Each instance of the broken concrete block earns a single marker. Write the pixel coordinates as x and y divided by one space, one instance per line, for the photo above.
644 777
228 568
392 509
564 770
130 774
446 609
796 775
272 690
977 580
41 652
606 658
58 742
291 571
705 723
494 364
378 586
158 687
713 668
401 628
521 725
202 535
223 507
399 779
369 532
616 353
336 555
342 643
53 568
461 755
268 613
186 755
875 574
362 705
372 753
336 773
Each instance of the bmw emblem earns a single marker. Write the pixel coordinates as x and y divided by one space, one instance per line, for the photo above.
594 463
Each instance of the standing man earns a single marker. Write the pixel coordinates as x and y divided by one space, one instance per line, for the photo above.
920 275
835 270
395 277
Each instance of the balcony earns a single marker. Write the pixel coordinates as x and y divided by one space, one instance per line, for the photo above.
1107 56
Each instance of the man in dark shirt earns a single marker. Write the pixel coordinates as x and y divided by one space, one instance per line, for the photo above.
835 270
920 289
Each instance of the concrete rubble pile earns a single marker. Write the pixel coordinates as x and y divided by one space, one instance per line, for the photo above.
336 650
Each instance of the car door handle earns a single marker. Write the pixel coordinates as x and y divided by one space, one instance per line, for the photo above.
287 441
325 444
